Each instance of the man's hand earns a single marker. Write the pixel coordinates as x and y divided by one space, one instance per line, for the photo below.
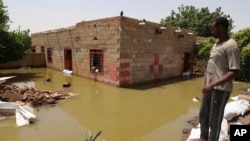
207 89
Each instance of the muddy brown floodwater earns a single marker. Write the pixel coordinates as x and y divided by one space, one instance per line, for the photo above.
152 112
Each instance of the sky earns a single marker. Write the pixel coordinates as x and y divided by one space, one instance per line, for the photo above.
43 15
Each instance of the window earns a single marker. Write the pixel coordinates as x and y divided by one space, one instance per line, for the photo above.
33 49
49 55
96 60
42 49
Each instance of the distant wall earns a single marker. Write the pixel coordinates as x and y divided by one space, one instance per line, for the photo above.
30 60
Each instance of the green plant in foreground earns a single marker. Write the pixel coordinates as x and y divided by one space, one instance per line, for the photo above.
90 137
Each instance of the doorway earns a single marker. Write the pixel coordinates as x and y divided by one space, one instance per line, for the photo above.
186 62
68 59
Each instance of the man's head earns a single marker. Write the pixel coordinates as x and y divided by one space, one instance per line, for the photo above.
220 27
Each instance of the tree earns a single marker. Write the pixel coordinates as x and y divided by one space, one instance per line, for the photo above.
198 20
242 37
13 44
245 64
245 57
202 49
4 18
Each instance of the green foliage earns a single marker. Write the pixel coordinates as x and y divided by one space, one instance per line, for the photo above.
245 57
202 49
4 18
13 44
198 20
242 37
245 64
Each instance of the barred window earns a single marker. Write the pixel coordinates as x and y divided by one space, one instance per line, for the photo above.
96 60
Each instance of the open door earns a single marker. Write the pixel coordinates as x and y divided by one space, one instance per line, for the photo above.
186 63
68 59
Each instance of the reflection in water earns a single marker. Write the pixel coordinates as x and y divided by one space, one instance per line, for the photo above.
145 113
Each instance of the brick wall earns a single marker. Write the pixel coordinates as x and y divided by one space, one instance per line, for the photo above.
149 53
97 34
30 60
133 53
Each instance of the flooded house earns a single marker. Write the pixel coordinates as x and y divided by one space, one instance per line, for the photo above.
118 50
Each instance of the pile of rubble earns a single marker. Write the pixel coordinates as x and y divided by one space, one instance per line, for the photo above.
29 95
22 100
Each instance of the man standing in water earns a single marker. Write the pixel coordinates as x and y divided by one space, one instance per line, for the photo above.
223 66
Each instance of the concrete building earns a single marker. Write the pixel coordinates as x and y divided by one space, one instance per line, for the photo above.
119 50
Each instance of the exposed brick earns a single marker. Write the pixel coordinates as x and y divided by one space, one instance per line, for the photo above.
124 83
124 65
156 59
160 68
124 73
151 69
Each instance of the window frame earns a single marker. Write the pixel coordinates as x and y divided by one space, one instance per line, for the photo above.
96 61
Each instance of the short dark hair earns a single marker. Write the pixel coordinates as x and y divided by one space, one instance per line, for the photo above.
222 21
